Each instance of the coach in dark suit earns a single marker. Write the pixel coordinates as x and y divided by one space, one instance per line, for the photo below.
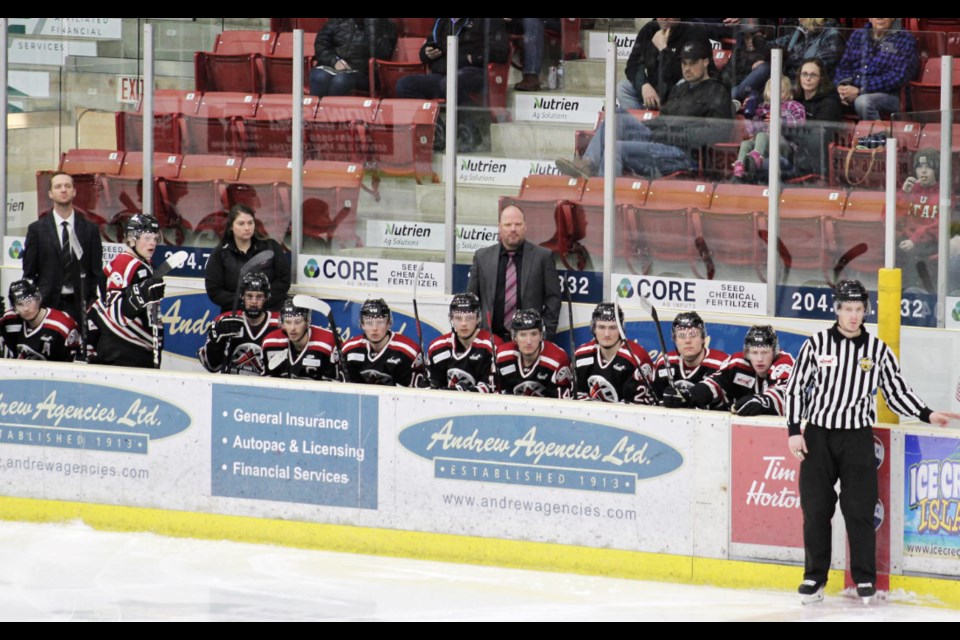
537 282
58 269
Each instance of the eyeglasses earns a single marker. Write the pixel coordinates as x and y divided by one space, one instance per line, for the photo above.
809 74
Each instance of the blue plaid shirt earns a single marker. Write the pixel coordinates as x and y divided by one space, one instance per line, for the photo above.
879 66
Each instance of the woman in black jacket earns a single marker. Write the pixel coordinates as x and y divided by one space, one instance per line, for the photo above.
240 243
815 91
343 48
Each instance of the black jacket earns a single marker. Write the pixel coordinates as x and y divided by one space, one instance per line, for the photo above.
41 257
349 39
694 115
470 46
812 139
223 273
661 68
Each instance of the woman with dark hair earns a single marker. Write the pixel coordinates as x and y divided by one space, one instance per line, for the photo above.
815 91
240 243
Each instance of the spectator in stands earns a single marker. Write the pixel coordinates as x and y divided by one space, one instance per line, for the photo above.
479 41
813 38
533 30
663 145
749 68
821 102
240 243
654 63
918 230
878 61
755 150
343 48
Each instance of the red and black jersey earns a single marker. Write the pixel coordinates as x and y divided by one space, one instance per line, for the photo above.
246 351
317 360
550 376
126 336
685 378
453 367
624 378
737 378
399 363
55 339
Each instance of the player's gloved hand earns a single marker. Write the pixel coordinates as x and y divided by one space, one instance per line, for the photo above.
226 329
674 398
755 405
466 386
143 293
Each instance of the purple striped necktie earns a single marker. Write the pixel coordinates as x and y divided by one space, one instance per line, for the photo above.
510 290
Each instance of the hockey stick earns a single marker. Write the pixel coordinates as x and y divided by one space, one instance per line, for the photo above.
175 261
253 264
855 251
924 274
416 316
652 312
626 343
573 343
318 305
704 251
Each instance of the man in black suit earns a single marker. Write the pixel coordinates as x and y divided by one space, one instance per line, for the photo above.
63 254
515 260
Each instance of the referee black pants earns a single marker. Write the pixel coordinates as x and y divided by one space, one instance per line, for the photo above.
846 455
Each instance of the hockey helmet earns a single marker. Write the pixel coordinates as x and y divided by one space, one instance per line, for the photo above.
375 308
23 290
526 319
464 303
851 291
761 335
688 320
605 312
290 310
141 223
255 281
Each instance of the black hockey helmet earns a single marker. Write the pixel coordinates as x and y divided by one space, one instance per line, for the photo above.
375 308
526 319
290 310
254 281
141 223
761 335
464 303
851 291
606 312
22 290
688 320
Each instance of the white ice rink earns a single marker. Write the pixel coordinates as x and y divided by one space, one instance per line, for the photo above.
72 572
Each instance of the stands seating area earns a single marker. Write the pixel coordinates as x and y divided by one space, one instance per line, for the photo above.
229 140
704 225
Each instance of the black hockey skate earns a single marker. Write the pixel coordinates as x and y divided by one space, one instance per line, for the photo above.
811 591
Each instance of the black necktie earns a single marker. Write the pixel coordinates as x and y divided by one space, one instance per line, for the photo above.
65 254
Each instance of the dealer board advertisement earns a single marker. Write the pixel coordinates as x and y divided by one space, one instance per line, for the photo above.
113 438
931 503
765 516
522 470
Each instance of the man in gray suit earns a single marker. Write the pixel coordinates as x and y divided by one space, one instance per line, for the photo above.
515 274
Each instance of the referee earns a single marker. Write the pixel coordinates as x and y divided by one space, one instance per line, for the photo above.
833 386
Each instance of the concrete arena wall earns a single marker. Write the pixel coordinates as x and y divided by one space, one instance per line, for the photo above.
560 485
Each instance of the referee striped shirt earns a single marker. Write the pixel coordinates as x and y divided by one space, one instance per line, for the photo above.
835 380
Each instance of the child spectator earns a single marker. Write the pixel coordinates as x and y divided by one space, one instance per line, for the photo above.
754 150
917 230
